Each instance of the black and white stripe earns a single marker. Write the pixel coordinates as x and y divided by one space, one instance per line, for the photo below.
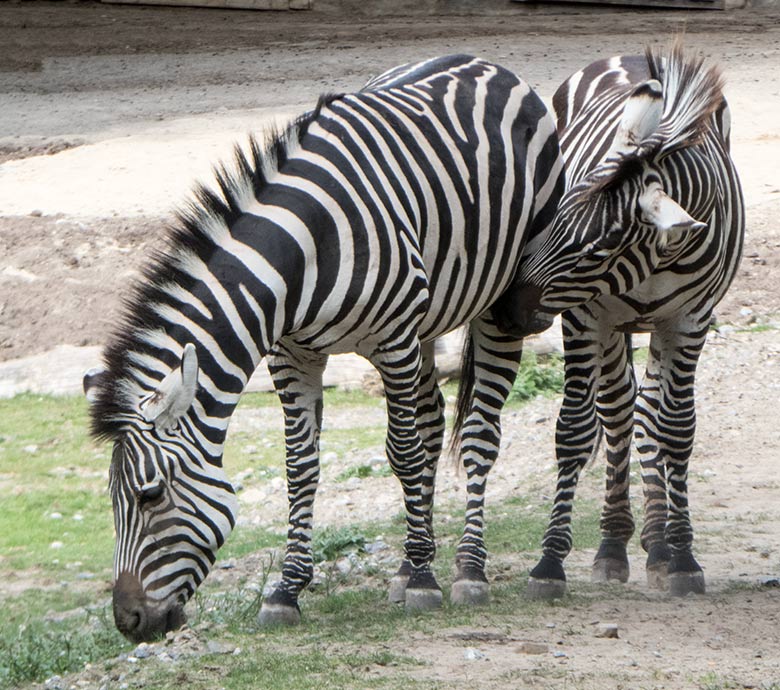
647 239
374 224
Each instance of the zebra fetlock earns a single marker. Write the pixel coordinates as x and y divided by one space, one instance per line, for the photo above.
657 565
611 561
470 586
280 608
547 580
422 591
685 575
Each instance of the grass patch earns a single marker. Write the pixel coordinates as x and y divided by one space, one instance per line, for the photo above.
331 542
377 469
537 375
57 531
41 648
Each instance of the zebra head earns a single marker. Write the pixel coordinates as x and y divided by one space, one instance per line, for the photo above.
612 229
173 505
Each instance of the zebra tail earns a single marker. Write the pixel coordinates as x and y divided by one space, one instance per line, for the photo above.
465 397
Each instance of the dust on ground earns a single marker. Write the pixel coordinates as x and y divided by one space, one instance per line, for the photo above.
89 88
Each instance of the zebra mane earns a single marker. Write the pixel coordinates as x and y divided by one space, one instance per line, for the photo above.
691 94
191 234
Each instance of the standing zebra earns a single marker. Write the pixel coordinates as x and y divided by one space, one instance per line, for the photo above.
373 224
646 145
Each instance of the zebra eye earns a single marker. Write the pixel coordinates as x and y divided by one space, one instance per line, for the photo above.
150 494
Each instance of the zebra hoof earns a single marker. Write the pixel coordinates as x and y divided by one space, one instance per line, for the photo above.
426 599
278 614
470 593
545 589
396 593
609 570
681 584
657 576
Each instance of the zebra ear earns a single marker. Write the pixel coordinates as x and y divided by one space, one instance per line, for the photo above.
175 394
91 383
667 215
641 117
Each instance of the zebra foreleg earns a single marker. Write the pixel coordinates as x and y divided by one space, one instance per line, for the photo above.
430 425
615 405
494 358
576 438
400 367
297 376
665 427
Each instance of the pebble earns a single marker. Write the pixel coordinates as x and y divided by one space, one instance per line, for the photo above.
215 647
143 651
471 654
532 648
376 546
608 630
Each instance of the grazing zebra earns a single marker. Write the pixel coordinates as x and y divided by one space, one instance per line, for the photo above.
646 145
373 224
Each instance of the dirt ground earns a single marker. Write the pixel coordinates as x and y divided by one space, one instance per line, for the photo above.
110 112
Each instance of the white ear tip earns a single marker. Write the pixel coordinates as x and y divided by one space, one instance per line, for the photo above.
90 383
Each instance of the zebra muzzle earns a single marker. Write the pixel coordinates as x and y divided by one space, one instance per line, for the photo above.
139 619
518 311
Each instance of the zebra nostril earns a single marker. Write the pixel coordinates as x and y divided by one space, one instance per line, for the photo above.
134 620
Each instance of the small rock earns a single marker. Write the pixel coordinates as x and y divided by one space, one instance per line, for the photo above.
215 647
143 651
56 545
55 516
559 655
471 654
376 546
37 213
532 648
608 630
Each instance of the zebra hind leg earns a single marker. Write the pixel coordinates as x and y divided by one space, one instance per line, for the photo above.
576 436
490 367
400 367
297 376
430 426
666 422
615 406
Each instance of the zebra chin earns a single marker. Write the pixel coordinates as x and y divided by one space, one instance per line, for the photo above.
140 619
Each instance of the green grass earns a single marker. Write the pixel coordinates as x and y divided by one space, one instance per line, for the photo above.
56 537
537 376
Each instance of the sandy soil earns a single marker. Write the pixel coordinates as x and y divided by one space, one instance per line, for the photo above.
110 112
